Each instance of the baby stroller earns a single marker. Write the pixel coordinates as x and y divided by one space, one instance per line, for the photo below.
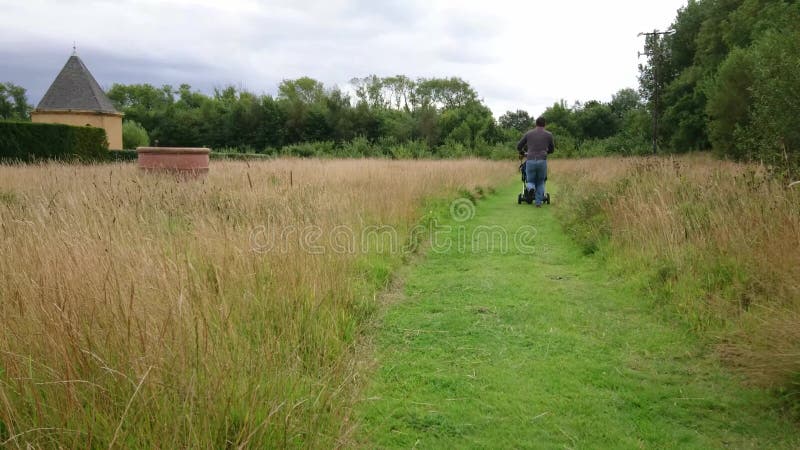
528 195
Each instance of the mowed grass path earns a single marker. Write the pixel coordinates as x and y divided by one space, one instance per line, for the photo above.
489 349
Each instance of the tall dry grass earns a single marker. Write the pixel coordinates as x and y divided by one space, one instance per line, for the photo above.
135 312
721 241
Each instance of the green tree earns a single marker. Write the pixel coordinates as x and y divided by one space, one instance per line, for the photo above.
427 127
302 99
444 93
370 91
338 116
655 75
729 102
399 125
272 126
596 121
773 134
14 102
468 124
243 114
302 90
624 101
562 116
145 104
518 120
712 46
134 135
684 123
683 42
400 89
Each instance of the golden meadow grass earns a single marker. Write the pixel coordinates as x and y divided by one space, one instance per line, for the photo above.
135 312
722 242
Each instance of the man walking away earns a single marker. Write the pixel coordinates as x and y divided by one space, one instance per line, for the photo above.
539 143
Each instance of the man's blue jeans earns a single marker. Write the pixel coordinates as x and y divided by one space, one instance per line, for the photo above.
536 173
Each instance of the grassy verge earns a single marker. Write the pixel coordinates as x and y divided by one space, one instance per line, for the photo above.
516 339
148 312
719 244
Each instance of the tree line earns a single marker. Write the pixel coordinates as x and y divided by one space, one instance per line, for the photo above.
380 111
379 116
436 116
729 80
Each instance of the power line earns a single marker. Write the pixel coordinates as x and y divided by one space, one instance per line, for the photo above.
656 61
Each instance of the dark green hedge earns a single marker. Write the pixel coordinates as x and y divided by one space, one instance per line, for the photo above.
27 141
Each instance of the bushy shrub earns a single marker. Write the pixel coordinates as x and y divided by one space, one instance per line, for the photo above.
309 149
451 149
566 144
401 152
620 144
25 141
419 149
134 135
359 147
501 152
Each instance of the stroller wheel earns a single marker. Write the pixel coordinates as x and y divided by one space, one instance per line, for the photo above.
547 198
519 199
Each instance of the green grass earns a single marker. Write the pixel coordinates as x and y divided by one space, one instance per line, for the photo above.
549 350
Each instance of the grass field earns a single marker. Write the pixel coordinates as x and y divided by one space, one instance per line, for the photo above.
502 344
142 312
650 305
719 242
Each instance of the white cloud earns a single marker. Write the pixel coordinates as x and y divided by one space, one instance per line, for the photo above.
516 54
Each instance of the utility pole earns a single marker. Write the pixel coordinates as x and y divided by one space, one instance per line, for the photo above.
656 60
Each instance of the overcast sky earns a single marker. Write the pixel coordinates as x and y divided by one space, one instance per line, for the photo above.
516 54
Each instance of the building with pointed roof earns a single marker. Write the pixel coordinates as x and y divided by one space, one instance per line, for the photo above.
75 98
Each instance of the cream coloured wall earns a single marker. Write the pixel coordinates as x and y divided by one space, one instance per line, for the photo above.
112 123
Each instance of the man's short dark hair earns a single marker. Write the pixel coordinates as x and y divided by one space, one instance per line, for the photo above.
540 122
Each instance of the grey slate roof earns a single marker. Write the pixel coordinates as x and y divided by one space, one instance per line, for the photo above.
75 88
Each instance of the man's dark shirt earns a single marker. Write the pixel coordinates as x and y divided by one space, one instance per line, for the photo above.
538 142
